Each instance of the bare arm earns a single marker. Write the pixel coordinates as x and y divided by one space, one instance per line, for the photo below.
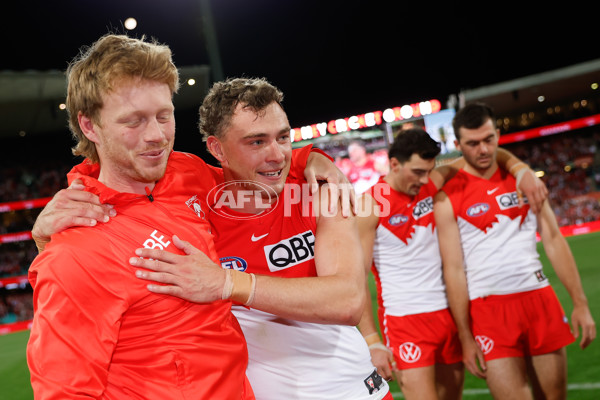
320 168
368 220
456 282
443 173
335 296
562 260
528 184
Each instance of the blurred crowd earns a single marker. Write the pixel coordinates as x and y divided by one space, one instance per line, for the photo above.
571 165
570 162
15 306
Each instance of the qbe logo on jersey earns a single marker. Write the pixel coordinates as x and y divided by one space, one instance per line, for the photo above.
507 200
423 207
291 251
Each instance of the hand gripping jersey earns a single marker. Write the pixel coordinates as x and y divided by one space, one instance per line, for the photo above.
290 359
407 265
498 238
99 333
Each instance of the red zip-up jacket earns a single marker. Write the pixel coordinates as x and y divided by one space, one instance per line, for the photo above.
99 333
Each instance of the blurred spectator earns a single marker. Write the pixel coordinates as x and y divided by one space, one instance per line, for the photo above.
364 169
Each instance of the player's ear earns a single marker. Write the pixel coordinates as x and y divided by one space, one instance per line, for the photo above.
87 127
215 148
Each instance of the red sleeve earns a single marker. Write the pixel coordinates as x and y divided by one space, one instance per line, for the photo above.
217 172
75 328
300 158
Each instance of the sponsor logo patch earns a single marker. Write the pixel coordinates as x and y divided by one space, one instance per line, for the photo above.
477 210
423 207
195 205
373 382
291 251
485 343
235 263
507 200
397 219
409 352
539 274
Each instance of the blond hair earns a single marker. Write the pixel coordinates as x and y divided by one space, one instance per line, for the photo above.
102 66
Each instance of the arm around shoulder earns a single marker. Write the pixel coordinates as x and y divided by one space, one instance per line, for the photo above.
336 295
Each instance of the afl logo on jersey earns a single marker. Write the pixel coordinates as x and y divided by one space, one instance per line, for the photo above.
477 210
397 219
235 263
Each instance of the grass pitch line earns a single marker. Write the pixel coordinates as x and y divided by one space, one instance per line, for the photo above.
474 392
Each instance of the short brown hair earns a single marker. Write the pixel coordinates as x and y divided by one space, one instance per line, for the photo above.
104 64
222 99
472 116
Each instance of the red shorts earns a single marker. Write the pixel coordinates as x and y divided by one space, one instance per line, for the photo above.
421 340
520 324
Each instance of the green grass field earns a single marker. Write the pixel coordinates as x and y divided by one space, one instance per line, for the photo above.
584 366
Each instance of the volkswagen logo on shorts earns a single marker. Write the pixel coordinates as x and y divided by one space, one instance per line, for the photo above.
409 352
477 210
485 343
228 199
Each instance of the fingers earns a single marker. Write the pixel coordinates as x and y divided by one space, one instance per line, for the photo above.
588 334
154 259
381 361
334 194
352 197
311 179
159 277
186 247
346 201
482 365
473 368
165 289
341 194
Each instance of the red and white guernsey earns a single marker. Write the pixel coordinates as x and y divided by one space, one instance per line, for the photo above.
498 238
290 359
406 260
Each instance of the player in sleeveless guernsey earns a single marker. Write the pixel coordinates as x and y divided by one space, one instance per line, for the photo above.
508 317
295 274
399 238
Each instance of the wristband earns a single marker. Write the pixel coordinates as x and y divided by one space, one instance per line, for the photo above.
519 176
517 167
372 338
252 291
228 286
379 346
241 290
